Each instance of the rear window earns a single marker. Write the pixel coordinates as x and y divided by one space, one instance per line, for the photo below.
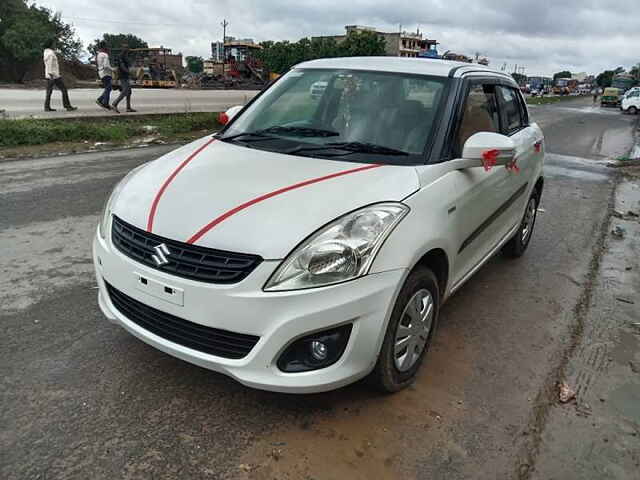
511 111
479 114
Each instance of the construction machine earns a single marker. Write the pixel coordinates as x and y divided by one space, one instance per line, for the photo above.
248 73
149 68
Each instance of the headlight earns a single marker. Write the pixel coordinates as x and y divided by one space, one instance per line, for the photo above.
106 211
340 251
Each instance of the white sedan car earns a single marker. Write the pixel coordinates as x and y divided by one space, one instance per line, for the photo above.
313 240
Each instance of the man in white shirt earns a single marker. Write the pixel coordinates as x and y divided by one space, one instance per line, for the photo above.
105 73
52 74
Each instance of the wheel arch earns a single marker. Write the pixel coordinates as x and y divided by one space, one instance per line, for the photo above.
539 186
437 261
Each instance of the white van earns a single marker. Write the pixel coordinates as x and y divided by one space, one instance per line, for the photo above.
631 101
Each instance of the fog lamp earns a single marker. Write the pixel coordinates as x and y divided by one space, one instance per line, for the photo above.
318 350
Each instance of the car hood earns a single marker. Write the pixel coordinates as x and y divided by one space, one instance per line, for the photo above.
225 196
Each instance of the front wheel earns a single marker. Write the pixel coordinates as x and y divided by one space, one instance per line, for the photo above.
632 110
520 241
409 332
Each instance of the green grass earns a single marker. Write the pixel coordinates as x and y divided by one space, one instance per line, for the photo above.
546 99
15 133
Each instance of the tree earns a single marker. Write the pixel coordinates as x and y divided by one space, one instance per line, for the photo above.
562 74
24 30
116 41
605 78
519 78
281 56
195 64
363 43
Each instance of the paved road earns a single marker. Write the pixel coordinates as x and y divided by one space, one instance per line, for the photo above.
29 102
83 399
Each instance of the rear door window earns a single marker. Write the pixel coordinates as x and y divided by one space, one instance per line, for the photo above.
511 111
479 114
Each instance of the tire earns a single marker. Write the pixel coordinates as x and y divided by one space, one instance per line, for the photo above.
632 110
518 244
395 370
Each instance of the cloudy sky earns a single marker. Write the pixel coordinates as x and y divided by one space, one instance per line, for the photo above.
545 36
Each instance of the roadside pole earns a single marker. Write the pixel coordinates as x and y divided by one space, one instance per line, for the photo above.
224 24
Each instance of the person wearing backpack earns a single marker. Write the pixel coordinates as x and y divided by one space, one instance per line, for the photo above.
124 74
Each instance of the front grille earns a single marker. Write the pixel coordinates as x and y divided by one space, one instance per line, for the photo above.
214 341
185 260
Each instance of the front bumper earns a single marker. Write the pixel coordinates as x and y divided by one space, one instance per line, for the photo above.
276 317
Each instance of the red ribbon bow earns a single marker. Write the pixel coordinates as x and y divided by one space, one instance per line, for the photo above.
513 167
489 159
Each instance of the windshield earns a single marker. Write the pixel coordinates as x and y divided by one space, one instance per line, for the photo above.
362 116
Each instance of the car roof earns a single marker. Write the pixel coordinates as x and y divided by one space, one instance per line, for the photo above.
420 66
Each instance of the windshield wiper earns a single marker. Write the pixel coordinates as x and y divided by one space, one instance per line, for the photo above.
262 134
257 134
350 147
301 131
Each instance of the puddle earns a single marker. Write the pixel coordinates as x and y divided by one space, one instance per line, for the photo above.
592 109
614 143
558 171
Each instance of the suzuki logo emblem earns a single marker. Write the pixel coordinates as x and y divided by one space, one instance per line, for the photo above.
161 254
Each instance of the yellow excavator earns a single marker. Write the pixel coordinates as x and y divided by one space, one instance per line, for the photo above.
148 69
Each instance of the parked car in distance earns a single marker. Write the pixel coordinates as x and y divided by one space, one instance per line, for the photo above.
313 240
610 97
631 101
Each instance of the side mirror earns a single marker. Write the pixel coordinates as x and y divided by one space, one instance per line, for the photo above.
486 149
225 117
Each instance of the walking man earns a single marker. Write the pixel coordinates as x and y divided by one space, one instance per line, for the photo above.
125 81
105 73
52 74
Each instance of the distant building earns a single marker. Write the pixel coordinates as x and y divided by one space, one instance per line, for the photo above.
580 77
623 81
397 44
538 81
217 52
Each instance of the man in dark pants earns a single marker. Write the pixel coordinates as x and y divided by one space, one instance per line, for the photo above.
105 73
125 82
52 74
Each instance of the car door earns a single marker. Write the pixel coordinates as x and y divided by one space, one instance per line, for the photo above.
480 193
514 122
